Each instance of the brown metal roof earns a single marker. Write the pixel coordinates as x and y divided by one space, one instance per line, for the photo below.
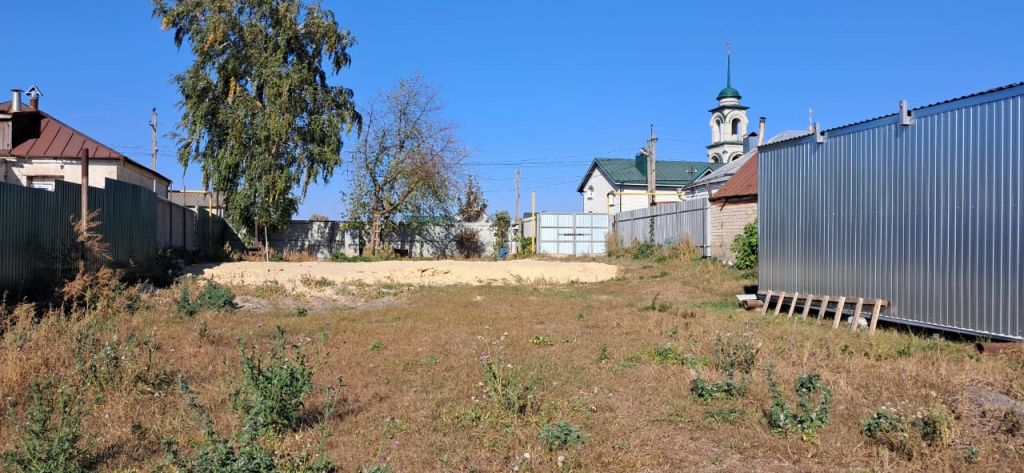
58 140
742 184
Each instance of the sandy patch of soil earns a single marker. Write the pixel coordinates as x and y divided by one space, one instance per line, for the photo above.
418 273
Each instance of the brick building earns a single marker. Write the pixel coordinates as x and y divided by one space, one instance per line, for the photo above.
732 207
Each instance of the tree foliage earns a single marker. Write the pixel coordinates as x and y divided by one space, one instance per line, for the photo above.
500 225
408 160
259 116
472 206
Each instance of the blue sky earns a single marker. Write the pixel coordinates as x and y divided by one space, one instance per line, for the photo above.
546 86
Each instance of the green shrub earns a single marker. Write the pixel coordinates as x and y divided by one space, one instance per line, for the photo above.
813 404
213 297
706 391
561 435
745 246
930 427
526 246
49 439
499 227
644 251
245 451
271 393
339 257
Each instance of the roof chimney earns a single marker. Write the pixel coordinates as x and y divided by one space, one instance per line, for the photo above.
16 100
760 133
34 94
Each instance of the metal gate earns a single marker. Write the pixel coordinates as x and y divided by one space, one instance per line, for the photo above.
569 234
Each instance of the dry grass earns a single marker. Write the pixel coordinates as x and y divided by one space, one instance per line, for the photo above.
425 374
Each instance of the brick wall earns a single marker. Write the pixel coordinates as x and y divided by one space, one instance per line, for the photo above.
727 221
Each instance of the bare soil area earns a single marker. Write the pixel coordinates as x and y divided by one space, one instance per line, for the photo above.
298 276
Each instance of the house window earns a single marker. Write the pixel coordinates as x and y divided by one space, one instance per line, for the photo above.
41 182
590 193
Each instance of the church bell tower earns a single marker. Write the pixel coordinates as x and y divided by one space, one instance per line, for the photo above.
728 121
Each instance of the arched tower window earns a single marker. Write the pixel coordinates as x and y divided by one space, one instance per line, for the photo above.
715 159
736 129
718 131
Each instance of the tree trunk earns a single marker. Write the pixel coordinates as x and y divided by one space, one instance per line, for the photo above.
375 231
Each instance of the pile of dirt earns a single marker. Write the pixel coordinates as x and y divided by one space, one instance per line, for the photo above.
418 273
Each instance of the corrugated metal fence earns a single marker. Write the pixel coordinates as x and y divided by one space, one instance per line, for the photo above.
688 220
37 241
928 216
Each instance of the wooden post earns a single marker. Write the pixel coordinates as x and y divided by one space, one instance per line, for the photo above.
856 314
767 300
792 304
778 307
874 315
839 312
807 306
824 307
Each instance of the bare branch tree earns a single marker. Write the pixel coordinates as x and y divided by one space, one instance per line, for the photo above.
408 162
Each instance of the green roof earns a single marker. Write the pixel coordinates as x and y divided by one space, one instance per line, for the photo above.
669 173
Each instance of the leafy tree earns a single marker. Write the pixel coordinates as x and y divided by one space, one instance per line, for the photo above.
259 116
500 225
408 161
472 205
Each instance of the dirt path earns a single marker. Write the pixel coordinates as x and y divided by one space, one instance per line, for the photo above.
432 273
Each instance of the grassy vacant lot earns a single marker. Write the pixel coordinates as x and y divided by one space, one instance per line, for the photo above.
654 371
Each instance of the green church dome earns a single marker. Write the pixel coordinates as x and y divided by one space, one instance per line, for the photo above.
728 92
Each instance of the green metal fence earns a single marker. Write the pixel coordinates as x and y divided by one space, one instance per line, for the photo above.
37 241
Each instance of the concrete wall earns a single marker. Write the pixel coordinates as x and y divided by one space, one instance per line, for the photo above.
324 239
727 221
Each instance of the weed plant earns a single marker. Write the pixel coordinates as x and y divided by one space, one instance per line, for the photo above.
928 428
271 393
50 440
506 385
561 435
213 297
813 405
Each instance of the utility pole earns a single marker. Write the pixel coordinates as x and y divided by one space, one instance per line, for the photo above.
652 175
152 124
515 216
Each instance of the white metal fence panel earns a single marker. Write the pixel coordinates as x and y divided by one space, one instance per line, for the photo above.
568 234
688 220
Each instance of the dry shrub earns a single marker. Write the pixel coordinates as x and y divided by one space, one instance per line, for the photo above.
613 245
683 250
